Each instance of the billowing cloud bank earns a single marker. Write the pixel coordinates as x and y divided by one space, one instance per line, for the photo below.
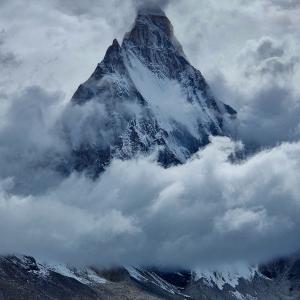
205 213
208 212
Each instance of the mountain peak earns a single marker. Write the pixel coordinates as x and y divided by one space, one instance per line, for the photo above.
147 20
152 98
151 26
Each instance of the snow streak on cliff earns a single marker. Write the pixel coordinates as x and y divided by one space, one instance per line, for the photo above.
151 99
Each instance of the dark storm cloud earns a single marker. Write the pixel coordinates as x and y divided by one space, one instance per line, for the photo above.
287 4
267 101
28 149
273 117
269 57
7 59
278 67
267 49
153 5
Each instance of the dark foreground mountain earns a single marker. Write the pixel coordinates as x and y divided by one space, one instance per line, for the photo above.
150 98
23 278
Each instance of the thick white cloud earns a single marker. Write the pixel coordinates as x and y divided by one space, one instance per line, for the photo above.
205 213
208 212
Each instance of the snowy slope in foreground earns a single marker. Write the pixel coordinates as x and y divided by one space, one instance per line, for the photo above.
23 277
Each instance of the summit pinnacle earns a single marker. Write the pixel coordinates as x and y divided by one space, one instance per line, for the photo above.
152 99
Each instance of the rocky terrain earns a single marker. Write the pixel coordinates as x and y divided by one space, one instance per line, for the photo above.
21 277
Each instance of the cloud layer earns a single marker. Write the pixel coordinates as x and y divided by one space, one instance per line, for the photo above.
207 212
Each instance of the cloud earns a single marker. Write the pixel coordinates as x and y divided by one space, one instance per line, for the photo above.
264 92
267 49
90 123
267 56
29 149
153 6
7 59
138 213
289 4
52 43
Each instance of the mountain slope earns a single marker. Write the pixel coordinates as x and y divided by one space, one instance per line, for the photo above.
21 277
151 98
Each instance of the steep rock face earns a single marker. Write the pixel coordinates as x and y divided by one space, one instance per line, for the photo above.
152 99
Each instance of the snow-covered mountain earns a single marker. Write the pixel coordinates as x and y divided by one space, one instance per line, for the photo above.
149 98
22 277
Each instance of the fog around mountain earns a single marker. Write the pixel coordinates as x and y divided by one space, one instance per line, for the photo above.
208 212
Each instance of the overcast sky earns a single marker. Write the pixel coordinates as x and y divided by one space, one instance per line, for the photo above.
249 53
